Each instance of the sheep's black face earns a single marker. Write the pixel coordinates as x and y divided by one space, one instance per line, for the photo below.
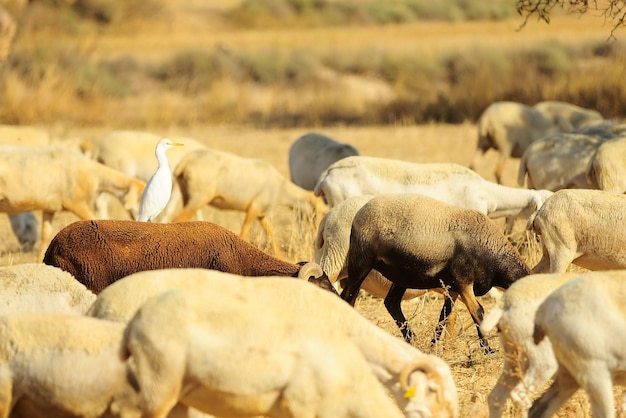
324 282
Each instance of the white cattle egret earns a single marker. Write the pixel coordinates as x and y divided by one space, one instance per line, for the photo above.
159 188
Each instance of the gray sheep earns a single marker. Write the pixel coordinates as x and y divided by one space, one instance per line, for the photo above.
509 128
418 242
561 160
311 154
100 252
578 116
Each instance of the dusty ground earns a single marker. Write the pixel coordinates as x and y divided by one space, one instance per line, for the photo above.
475 373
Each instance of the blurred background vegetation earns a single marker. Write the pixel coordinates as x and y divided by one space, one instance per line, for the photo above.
289 63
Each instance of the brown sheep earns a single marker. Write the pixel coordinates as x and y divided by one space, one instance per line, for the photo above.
100 252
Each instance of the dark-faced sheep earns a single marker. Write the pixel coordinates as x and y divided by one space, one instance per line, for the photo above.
418 242
100 252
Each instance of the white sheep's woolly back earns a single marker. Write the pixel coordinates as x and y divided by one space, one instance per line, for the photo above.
35 287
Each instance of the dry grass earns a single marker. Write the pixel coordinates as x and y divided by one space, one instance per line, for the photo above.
474 373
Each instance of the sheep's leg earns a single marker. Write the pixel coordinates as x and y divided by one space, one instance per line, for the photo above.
6 395
597 381
476 311
500 167
448 304
46 234
80 209
269 231
392 303
555 396
351 290
251 215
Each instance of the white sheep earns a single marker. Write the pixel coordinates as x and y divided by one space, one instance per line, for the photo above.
509 128
227 181
560 161
418 242
132 152
527 366
606 169
576 115
584 227
53 179
66 366
448 182
311 154
121 300
585 322
421 384
36 287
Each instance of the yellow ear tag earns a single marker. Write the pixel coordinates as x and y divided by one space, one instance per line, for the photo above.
410 392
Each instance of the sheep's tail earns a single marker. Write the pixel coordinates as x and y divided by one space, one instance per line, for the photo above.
491 319
538 334
317 190
531 220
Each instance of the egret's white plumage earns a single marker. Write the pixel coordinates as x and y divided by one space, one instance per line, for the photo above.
159 188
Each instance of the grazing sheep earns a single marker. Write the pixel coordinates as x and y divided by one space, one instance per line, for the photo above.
52 179
332 243
66 366
447 182
577 116
100 252
311 154
291 314
509 128
227 181
527 366
560 161
63 366
606 170
36 287
584 227
585 321
119 301
26 228
132 152
418 242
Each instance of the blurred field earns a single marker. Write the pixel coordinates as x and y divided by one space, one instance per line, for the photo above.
475 373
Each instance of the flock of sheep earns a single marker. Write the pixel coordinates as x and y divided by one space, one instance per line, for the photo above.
179 317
